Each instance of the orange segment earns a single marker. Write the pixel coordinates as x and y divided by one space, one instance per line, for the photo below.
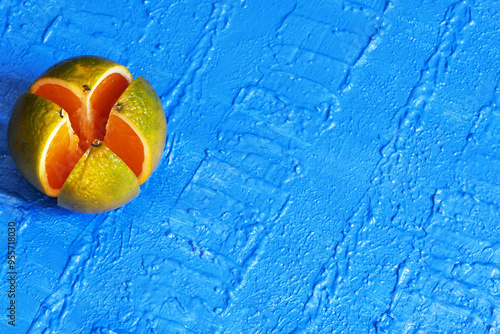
137 128
100 182
123 140
41 142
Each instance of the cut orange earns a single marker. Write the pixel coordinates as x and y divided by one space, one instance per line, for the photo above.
54 128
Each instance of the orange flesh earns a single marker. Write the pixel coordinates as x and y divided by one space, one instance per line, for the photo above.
64 152
62 156
124 142
102 100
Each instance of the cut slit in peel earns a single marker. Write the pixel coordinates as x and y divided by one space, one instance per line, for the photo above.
88 116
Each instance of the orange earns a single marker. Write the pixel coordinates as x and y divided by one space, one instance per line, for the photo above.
88 134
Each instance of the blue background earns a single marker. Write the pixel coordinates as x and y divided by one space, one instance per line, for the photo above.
330 166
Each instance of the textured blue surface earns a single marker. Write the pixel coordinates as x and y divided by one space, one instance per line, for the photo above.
331 167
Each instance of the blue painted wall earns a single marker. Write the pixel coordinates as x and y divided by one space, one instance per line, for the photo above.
331 167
